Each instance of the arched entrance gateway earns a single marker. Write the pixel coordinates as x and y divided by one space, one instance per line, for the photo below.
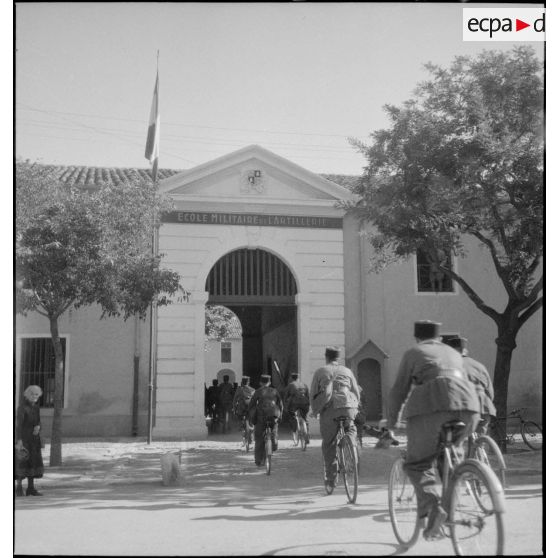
264 237
260 289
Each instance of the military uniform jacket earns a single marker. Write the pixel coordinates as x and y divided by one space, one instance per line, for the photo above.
429 372
478 375
295 393
266 401
321 387
242 394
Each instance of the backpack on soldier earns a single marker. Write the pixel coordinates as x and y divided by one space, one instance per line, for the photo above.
243 400
267 403
300 396
341 395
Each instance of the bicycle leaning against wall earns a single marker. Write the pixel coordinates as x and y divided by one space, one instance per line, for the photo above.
531 432
472 496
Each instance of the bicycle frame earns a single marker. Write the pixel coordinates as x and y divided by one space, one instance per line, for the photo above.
472 497
497 422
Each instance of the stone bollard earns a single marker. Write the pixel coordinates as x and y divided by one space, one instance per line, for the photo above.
170 468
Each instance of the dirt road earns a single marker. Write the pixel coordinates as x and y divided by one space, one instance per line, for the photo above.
108 498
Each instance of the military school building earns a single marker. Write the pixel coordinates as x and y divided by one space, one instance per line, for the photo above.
266 238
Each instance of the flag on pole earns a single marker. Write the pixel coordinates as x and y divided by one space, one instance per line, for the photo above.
152 144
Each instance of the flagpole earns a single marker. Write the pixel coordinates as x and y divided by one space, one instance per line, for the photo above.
152 153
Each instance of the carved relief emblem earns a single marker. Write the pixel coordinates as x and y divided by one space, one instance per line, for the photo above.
252 182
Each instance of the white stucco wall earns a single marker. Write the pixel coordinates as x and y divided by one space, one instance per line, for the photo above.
389 304
314 256
213 360
99 372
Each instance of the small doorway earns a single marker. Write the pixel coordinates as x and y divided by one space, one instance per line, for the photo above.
369 377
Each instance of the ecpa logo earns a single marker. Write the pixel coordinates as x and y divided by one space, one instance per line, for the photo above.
503 24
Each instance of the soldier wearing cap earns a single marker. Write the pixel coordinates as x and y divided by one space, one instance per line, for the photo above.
478 375
440 392
297 398
242 397
266 405
330 405
225 394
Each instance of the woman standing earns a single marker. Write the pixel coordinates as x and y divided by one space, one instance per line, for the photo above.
28 426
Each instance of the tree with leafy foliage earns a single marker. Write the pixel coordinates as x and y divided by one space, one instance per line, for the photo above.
464 158
220 322
77 247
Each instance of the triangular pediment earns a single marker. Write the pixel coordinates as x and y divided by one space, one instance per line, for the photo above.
367 348
255 174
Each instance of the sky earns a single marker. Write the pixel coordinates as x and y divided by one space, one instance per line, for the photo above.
296 78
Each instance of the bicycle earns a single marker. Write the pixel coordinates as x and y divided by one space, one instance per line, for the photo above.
484 449
531 432
247 431
226 421
472 496
268 442
347 459
212 420
301 432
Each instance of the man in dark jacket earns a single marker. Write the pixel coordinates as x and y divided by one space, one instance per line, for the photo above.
440 392
226 395
478 375
297 398
266 405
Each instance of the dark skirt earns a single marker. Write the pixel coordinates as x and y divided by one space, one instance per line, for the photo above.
33 466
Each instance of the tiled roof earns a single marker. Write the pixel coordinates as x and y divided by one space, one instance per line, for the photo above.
235 329
89 177
345 180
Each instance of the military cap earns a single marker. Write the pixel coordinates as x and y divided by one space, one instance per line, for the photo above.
265 378
456 341
332 353
246 378
427 329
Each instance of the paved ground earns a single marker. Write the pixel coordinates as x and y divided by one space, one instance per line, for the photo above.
96 503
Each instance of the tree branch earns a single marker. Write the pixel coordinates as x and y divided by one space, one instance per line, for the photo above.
530 311
477 300
528 300
499 268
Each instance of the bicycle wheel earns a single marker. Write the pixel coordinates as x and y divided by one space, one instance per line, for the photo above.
476 524
348 468
268 452
403 505
302 433
247 435
532 434
486 451
296 433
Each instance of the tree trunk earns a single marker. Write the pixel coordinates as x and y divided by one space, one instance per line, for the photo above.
56 436
505 344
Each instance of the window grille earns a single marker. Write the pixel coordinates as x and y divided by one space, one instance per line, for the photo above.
38 366
251 273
